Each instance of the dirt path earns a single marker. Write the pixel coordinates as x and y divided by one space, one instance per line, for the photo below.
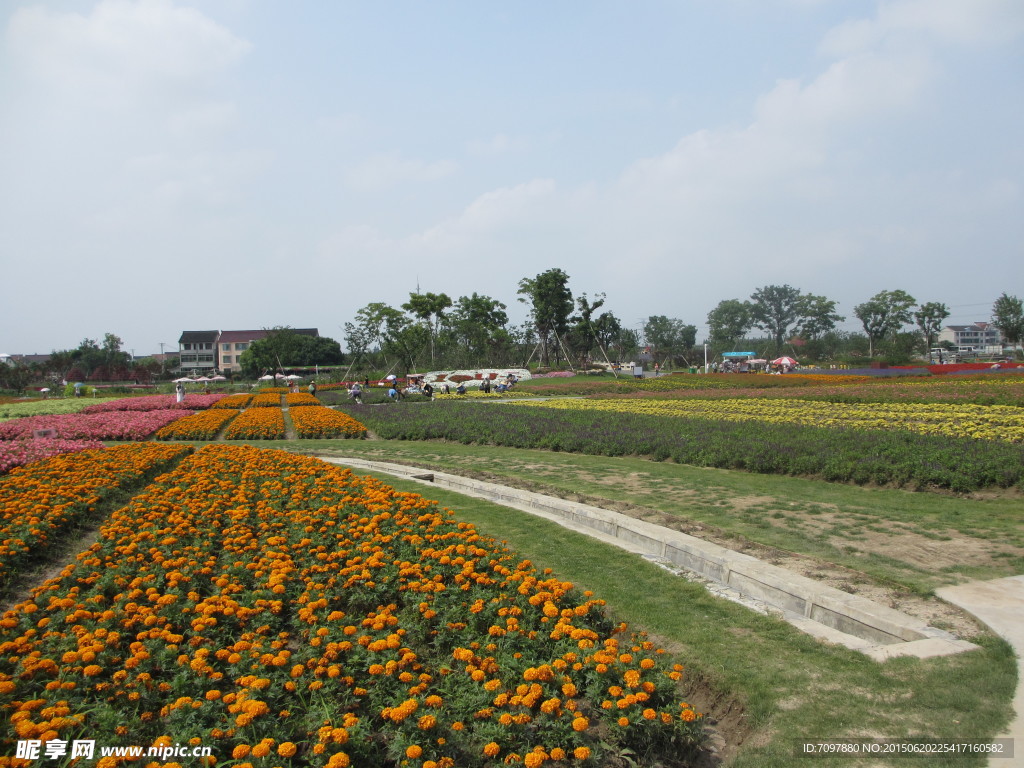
289 425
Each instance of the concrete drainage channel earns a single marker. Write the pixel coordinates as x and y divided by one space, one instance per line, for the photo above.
819 610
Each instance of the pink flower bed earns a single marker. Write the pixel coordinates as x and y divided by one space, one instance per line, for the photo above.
120 425
17 453
554 375
155 403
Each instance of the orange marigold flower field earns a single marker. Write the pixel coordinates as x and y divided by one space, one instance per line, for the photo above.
241 601
199 426
257 424
43 498
324 422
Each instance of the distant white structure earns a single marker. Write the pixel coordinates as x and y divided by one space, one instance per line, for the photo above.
976 337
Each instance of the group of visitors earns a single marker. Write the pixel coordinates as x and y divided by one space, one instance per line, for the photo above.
417 386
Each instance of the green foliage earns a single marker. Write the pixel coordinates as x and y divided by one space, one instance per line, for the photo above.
284 348
1008 317
729 322
884 314
670 339
777 310
550 303
896 458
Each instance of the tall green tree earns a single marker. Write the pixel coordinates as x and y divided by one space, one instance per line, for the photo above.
929 318
477 331
283 348
581 337
776 309
1008 317
729 322
818 316
669 338
429 308
884 314
550 302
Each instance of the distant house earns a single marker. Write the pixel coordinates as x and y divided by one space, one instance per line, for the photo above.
232 344
197 352
976 337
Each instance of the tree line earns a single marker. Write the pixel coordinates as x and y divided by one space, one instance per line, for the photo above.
433 331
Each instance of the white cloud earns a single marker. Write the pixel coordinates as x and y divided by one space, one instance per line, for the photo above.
944 21
499 144
122 47
390 169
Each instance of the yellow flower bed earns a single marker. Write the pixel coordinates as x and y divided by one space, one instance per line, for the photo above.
295 399
233 401
257 424
986 422
273 606
320 421
44 497
203 425
266 400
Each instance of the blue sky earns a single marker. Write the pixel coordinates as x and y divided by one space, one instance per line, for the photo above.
169 165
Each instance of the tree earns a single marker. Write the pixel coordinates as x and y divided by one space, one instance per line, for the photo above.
883 315
729 322
283 348
776 309
929 319
477 329
1008 317
669 338
818 316
581 338
550 303
429 308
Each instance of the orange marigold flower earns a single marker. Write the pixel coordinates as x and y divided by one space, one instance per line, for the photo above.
581 753
491 749
580 724
286 749
413 751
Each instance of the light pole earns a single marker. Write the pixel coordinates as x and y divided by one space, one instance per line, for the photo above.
163 360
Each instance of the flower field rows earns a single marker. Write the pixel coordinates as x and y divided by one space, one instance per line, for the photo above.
199 426
155 403
43 498
266 400
288 613
257 424
235 402
16 453
296 399
888 457
320 422
962 420
113 425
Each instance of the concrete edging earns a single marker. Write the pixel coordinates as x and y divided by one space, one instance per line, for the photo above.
822 611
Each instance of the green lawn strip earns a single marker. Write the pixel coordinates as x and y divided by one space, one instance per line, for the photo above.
793 688
824 520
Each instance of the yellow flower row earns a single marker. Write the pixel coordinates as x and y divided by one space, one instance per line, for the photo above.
320 421
987 422
235 402
44 497
270 605
257 424
293 399
203 425
266 400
